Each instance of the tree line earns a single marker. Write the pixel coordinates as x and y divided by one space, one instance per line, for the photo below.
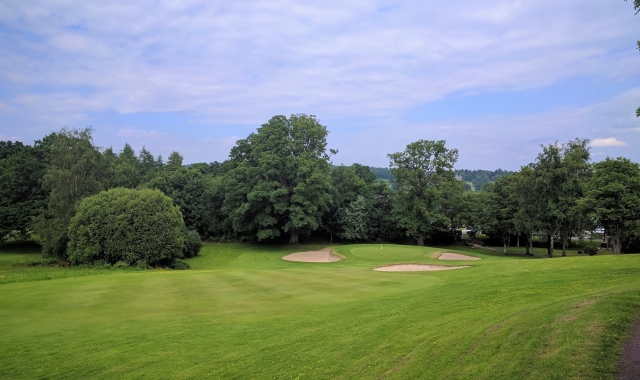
279 185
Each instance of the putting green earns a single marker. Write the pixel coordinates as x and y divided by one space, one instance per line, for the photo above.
391 252
244 312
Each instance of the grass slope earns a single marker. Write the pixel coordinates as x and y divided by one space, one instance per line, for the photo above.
243 312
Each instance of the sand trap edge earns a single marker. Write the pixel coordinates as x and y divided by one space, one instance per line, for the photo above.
446 256
417 268
325 255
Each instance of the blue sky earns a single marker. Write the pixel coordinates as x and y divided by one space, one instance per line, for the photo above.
494 78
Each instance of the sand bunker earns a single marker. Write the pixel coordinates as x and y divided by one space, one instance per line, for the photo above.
322 256
414 268
456 256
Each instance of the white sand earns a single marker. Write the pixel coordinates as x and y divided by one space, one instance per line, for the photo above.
456 256
322 256
414 268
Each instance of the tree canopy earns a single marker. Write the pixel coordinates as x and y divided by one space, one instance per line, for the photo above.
280 182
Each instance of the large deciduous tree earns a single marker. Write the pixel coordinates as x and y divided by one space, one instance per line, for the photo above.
560 171
422 172
613 197
280 182
75 169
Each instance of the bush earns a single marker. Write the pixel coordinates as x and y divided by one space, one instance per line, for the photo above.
180 265
192 244
133 227
591 251
120 265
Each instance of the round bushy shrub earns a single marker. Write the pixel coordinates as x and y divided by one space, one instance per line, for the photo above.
192 243
135 227
591 251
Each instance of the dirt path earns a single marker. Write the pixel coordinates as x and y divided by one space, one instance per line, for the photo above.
629 366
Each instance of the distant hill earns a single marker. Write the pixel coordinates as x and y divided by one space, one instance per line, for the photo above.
479 178
475 178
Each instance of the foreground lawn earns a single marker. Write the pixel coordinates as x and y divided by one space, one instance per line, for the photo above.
243 312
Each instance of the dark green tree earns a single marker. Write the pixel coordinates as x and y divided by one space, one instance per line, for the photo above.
346 187
175 160
75 169
280 179
199 197
21 194
500 207
559 172
126 170
613 197
422 172
148 165
365 173
354 220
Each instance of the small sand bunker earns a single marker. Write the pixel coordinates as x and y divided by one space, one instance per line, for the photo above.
322 256
456 256
415 268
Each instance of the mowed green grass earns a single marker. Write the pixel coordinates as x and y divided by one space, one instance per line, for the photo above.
242 312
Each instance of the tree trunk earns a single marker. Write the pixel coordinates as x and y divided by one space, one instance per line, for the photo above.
617 244
294 238
331 238
526 244
518 241
421 240
564 244
506 243
550 248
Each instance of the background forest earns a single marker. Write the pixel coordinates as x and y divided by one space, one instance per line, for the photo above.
279 185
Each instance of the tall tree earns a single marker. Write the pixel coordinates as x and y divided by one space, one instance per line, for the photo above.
575 171
175 160
75 169
422 172
126 169
525 219
500 209
148 165
21 195
613 197
559 171
280 182
346 187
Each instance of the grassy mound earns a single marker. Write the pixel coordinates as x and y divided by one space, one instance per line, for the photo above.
243 312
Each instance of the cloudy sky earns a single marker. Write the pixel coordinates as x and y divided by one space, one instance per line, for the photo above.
494 78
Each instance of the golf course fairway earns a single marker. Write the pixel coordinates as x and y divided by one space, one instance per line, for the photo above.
242 311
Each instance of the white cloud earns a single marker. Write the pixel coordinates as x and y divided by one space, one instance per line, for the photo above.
607 142
242 60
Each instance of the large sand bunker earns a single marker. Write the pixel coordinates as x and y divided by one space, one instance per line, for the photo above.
456 256
325 255
415 268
